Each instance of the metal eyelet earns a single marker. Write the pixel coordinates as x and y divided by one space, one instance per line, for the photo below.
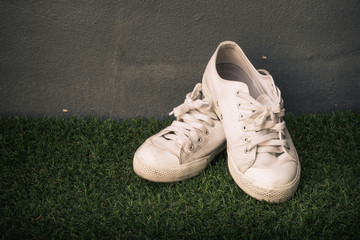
221 117
207 132
238 105
217 103
212 125
244 128
237 92
199 140
246 140
191 147
246 151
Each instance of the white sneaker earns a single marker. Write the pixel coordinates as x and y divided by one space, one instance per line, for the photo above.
262 158
185 148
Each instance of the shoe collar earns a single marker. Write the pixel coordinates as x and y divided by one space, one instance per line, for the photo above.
264 81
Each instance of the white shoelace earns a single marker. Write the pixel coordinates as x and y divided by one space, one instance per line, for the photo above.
190 119
267 123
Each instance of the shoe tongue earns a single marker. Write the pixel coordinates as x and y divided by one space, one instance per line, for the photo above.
265 100
196 93
167 145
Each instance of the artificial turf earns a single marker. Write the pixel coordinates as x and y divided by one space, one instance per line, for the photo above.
71 178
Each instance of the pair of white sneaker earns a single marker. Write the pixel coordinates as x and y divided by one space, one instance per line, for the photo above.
237 107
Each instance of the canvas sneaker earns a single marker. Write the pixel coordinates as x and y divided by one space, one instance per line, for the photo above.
262 158
186 147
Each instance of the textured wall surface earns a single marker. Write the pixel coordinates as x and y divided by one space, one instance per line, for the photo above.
124 59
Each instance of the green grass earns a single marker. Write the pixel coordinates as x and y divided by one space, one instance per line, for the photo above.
74 179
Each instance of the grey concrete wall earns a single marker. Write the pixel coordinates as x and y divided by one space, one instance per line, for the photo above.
124 59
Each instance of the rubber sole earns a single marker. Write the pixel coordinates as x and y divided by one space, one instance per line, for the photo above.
183 172
278 195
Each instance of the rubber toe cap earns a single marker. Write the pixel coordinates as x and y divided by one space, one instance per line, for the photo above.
274 178
155 157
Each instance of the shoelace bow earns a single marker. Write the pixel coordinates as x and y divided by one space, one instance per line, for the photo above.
267 123
190 116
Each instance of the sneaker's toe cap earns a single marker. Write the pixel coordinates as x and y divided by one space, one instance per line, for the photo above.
155 157
274 178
